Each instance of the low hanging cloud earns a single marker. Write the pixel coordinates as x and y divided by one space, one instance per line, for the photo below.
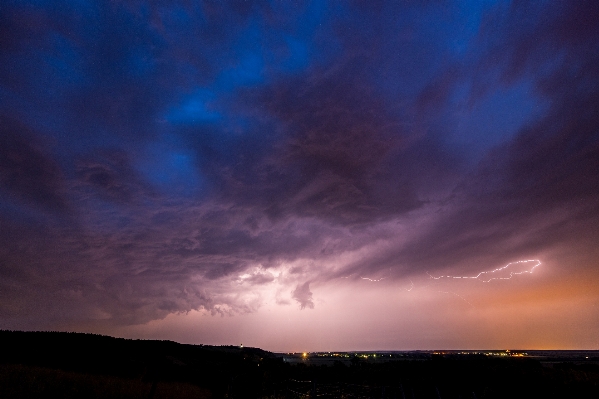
303 295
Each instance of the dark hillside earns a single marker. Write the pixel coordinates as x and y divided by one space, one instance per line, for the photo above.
145 361
73 365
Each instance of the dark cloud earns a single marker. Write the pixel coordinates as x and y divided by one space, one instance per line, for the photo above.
27 172
303 295
532 193
158 158
340 154
112 177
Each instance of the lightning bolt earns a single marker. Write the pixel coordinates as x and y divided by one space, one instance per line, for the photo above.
484 276
372 280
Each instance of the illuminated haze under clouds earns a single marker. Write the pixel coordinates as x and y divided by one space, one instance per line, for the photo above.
289 175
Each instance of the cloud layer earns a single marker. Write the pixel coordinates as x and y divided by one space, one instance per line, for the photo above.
162 158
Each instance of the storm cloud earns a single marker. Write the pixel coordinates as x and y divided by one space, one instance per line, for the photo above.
159 158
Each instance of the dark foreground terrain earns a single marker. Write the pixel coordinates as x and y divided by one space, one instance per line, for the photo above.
70 365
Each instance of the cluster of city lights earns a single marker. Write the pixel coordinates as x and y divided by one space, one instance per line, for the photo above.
486 353
305 355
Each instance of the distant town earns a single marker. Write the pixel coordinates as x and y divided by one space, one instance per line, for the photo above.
329 358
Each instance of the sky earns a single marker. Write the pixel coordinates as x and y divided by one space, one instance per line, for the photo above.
302 176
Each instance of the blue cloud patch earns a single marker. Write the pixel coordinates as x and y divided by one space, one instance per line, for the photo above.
197 108
171 171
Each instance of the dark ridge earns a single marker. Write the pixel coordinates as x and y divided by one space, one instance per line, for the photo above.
149 362
76 365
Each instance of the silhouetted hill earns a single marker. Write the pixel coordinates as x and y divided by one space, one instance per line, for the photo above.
73 365
147 361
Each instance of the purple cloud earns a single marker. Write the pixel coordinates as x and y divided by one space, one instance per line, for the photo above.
303 295
161 159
